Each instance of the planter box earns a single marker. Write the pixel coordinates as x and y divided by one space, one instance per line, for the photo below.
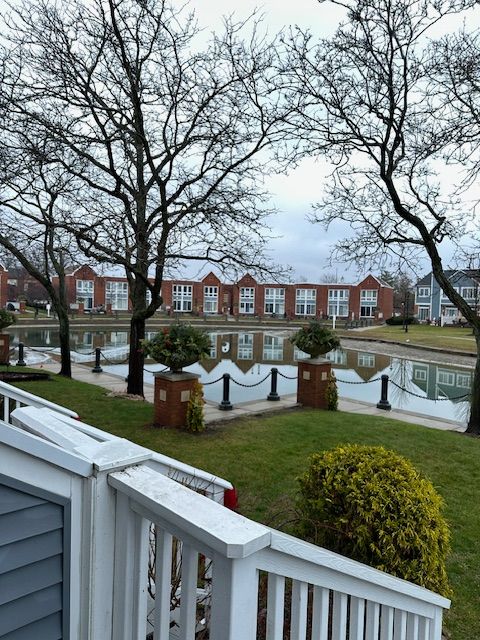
171 396
312 382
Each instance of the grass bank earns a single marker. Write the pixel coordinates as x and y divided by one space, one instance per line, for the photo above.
455 338
263 456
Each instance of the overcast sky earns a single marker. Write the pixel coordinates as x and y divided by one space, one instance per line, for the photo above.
304 246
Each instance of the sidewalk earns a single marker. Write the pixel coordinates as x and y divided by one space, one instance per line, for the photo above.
117 384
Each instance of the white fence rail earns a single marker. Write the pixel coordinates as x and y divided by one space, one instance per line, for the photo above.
262 583
217 575
12 398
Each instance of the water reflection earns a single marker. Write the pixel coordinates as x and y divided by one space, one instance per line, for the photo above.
421 387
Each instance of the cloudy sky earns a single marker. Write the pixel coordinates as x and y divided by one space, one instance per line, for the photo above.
298 243
304 246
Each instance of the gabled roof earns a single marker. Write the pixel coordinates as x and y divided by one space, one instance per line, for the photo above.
382 283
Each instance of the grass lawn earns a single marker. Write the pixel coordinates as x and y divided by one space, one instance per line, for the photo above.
262 456
460 339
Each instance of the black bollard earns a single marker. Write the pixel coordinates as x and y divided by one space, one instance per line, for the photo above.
225 404
273 395
21 362
384 403
97 368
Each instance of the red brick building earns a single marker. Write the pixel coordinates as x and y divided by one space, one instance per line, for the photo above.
369 299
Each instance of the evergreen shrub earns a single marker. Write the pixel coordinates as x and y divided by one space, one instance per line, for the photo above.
372 505
195 418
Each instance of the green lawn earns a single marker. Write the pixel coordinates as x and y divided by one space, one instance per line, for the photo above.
459 339
263 456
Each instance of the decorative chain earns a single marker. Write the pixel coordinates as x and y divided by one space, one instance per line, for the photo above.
124 361
249 386
205 384
354 382
417 395
286 377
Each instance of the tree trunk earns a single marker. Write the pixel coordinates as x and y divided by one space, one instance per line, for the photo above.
136 358
64 336
474 420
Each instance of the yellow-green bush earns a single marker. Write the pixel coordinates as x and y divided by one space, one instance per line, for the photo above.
372 505
195 422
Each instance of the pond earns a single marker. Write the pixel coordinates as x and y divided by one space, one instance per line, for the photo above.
421 387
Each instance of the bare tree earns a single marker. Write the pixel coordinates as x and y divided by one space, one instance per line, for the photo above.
30 212
170 142
365 101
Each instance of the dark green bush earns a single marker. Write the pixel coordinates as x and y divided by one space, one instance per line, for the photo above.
399 320
372 505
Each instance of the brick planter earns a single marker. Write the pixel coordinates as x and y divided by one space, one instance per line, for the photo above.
4 348
172 393
313 374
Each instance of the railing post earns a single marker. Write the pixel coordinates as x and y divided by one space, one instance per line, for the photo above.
273 395
97 368
384 403
225 404
21 362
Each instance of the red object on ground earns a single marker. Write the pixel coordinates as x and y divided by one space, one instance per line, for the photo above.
230 499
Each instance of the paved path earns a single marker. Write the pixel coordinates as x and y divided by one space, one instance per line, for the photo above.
117 384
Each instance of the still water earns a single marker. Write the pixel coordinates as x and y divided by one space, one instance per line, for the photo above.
428 388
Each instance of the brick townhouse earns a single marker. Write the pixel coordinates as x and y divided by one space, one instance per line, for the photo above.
369 299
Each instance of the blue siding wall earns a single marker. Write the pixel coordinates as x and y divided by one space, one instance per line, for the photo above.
31 566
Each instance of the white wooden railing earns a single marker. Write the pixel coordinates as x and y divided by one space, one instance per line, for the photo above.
11 398
237 579
307 586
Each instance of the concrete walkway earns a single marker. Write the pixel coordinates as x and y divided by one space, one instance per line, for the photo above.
116 384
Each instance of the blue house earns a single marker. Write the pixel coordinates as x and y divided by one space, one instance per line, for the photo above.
431 303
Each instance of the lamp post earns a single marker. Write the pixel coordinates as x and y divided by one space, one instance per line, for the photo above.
405 312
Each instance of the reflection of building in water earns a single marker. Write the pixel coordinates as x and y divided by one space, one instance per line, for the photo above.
437 381
272 348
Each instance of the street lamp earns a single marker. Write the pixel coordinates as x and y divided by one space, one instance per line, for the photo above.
405 312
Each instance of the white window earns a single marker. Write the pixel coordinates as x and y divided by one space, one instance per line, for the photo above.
464 380
368 303
306 302
213 345
445 377
469 293
247 300
423 292
116 294
366 360
423 313
272 348
420 374
85 293
338 302
210 299
444 297
337 356
245 346
182 297
275 300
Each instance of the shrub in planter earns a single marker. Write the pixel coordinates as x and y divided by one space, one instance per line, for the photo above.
177 346
315 339
6 319
372 505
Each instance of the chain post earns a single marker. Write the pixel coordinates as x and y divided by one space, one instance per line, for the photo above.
97 368
384 403
273 395
21 362
225 404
